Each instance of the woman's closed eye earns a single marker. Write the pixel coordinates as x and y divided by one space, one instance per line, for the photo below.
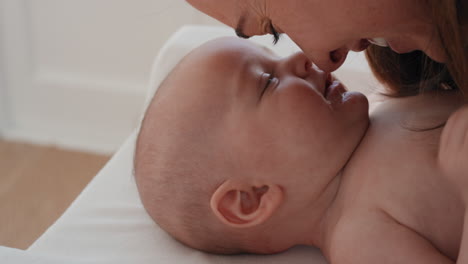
275 33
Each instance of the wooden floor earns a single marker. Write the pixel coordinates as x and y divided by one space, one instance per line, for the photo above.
37 184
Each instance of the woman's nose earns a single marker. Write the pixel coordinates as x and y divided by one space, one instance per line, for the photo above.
298 64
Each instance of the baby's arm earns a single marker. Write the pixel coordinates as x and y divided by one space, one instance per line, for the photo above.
382 240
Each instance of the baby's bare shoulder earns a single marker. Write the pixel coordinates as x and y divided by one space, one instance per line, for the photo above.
373 236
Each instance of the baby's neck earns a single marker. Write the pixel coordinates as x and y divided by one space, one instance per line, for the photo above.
327 214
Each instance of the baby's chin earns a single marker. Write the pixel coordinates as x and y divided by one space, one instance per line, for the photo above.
339 97
351 103
355 107
356 99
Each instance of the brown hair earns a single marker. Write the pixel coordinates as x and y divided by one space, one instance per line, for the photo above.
412 73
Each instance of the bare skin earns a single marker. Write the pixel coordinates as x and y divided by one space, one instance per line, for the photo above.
452 159
327 30
394 204
324 176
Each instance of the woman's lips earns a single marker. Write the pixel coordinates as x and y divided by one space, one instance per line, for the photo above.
397 46
360 45
381 42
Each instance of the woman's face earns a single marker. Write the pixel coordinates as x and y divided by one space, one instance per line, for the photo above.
326 30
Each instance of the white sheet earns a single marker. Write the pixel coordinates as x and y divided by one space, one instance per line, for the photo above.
107 222
13 256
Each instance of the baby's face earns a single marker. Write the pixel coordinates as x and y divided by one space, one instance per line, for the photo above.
277 116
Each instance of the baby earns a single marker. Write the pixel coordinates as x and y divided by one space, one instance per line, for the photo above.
243 151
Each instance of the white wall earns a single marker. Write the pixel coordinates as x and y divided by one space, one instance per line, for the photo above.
3 99
3 103
3 107
75 71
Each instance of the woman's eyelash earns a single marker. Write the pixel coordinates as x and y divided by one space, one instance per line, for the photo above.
274 32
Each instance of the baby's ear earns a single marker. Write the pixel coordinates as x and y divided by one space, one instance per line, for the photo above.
243 205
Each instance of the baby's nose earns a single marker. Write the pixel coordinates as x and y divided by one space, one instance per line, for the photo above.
329 61
299 65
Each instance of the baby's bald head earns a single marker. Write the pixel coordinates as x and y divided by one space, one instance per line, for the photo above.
231 159
182 156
